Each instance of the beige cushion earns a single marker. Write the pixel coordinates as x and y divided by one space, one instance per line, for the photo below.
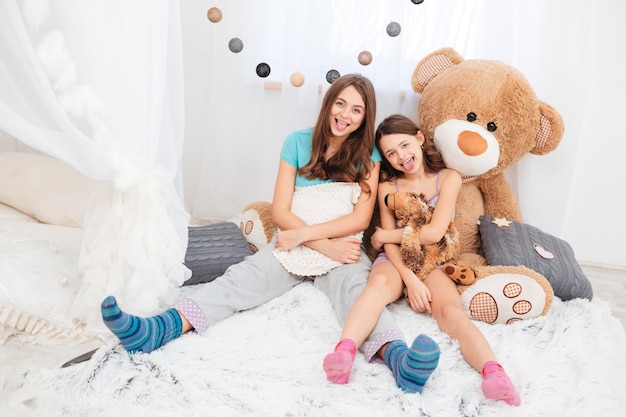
45 188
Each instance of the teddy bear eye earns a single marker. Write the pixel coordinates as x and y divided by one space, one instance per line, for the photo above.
491 126
471 117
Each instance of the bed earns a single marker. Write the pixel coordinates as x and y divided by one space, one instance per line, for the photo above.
267 361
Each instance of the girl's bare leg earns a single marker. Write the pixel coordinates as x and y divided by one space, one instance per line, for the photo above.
412 366
448 312
384 286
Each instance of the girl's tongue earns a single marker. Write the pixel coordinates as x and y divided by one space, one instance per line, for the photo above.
340 125
408 165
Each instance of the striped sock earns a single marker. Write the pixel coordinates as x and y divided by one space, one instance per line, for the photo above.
139 334
338 364
412 367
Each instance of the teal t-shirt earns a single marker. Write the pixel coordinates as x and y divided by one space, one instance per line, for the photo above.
296 152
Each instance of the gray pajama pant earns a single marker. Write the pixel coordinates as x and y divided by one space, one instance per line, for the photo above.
260 278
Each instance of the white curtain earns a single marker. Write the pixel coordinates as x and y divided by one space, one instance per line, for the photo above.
99 85
568 50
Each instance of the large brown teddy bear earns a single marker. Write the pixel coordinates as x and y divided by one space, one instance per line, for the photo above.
484 117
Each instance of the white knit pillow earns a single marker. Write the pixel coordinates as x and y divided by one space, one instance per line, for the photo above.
318 204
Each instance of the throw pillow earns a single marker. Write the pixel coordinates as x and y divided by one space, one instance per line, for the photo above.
317 204
506 242
45 188
212 249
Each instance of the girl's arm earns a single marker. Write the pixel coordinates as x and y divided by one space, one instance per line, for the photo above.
283 193
449 187
418 294
296 232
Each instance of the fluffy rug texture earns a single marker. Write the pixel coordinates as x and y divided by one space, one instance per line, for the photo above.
267 362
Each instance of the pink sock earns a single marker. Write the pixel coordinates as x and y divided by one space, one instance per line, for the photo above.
338 364
497 385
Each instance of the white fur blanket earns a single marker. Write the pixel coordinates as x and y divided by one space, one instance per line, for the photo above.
267 362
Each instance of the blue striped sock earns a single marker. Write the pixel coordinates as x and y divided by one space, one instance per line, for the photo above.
139 334
412 367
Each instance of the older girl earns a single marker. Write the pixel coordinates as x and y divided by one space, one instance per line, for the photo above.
338 150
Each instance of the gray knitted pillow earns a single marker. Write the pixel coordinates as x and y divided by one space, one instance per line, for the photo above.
212 249
523 244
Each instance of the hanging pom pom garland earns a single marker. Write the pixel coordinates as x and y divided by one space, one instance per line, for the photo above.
365 58
296 79
214 14
393 29
332 75
262 70
235 45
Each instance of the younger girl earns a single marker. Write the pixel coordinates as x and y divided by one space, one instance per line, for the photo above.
413 164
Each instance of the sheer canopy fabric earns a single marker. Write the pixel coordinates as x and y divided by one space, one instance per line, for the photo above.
99 85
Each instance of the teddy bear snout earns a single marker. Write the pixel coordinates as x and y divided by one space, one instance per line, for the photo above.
467 147
472 143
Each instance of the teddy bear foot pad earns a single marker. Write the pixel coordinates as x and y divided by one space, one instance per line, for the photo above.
504 298
462 275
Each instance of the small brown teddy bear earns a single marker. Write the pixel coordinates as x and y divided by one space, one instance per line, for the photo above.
412 211
484 116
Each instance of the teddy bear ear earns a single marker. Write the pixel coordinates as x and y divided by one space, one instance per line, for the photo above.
433 64
551 130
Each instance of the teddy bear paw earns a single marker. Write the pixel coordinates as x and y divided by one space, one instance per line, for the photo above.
504 298
462 275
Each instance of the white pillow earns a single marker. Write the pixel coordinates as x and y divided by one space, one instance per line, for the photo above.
39 281
45 188
317 204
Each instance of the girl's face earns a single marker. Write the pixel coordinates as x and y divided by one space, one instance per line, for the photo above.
347 112
403 151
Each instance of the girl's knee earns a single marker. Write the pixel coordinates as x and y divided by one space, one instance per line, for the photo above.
377 280
384 286
449 315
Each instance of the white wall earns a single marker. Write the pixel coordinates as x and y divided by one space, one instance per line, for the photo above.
585 82
596 223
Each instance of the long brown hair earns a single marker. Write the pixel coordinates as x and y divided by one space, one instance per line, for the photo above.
398 123
352 162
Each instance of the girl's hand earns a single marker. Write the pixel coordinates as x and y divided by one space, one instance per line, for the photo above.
288 239
346 250
377 239
382 236
417 294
